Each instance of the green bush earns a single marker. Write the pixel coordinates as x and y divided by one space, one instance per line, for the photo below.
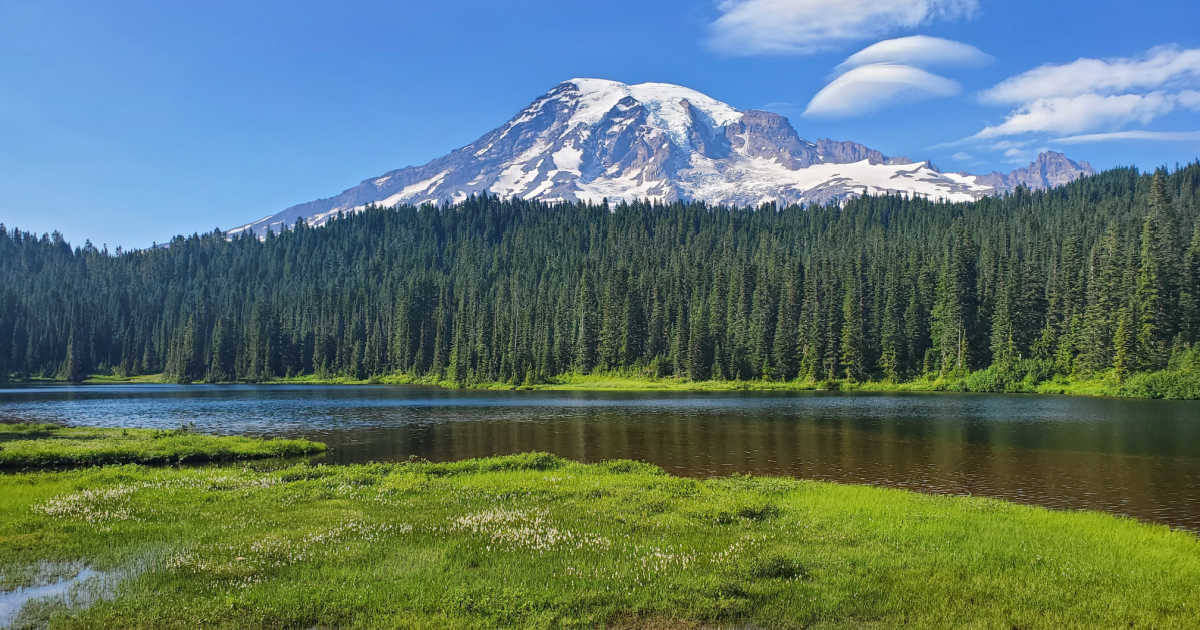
1015 377
1181 384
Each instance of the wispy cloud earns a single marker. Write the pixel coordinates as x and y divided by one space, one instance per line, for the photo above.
758 27
869 88
1155 136
918 50
1159 68
1092 100
1087 112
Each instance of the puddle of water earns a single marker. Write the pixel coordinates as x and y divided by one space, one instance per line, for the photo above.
64 589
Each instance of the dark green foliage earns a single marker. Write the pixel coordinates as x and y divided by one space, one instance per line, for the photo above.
1098 275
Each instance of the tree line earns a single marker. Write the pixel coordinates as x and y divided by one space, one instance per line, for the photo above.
1099 276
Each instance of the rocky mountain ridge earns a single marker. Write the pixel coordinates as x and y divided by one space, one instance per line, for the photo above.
595 139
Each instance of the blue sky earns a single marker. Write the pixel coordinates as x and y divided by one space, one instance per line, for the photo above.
128 122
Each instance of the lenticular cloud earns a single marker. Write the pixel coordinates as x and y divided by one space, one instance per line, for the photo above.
871 87
891 72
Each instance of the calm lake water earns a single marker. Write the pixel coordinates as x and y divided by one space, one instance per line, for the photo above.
1140 458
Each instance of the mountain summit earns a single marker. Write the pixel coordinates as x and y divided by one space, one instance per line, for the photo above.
594 139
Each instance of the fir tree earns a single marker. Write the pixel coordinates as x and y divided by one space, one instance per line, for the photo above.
1125 344
1152 332
72 365
1189 297
586 337
853 337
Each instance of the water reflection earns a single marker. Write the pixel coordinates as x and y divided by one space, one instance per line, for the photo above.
1140 458
11 602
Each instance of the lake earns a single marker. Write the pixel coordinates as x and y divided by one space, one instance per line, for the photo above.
1133 457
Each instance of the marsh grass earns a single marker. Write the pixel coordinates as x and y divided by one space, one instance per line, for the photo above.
533 541
35 446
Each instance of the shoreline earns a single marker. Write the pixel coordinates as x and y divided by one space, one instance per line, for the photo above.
1102 386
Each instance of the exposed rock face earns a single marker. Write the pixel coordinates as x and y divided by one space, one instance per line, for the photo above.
1050 169
593 139
845 151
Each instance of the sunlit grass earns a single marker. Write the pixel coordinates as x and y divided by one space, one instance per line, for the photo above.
532 541
28 446
1175 383
104 379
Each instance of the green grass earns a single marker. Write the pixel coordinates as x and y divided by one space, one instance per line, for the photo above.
532 541
103 379
28 446
1180 381
603 381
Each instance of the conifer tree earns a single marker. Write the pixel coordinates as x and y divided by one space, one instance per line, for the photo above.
853 337
1003 341
1103 302
1189 298
916 332
72 366
221 361
633 328
786 338
699 345
1125 345
954 312
613 312
1152 333
587 336
892 351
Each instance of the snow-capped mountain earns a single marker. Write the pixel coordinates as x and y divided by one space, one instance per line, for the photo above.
594 139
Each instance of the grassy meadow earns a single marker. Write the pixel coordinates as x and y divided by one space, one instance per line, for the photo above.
533 541
32 446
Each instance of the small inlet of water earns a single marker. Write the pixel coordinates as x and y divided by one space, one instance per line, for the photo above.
11 602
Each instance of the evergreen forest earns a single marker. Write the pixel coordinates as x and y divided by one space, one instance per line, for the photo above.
1098 278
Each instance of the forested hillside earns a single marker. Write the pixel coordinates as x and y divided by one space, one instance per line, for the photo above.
1100 276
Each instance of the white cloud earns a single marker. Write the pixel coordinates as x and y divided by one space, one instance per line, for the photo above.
963 156
1161 67
1022 155
1087 112
1005 145
868 88
755 27
918 50
1157 136
1092 100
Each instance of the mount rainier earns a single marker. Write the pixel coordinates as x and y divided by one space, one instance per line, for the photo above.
594 139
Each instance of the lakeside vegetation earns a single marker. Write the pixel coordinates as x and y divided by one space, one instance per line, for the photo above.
532 541
1094 283
33 446
1179 381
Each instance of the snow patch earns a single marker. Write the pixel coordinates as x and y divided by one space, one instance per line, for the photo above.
568 158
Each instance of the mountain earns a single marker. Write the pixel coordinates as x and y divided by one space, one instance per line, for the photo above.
1050 169
594 139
